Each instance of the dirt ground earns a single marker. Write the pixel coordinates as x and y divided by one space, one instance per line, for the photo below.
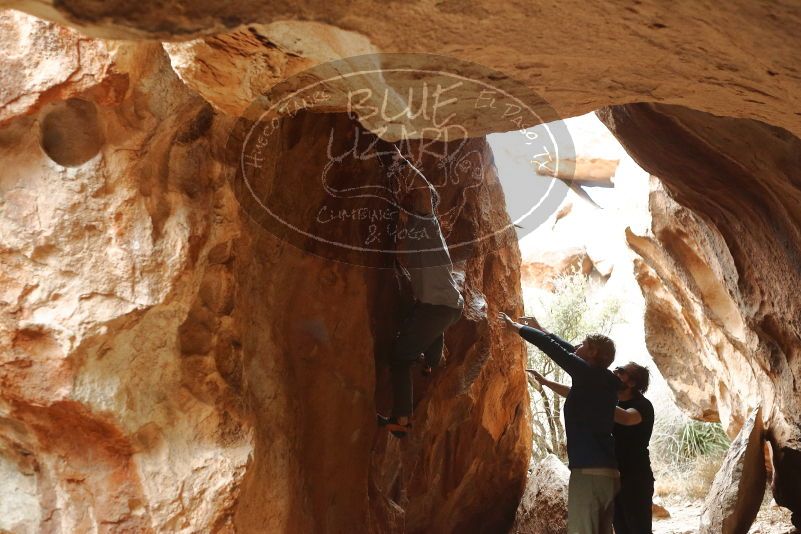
684 519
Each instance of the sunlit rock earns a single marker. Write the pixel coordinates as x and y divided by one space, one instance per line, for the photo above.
543 508
736 493
169 365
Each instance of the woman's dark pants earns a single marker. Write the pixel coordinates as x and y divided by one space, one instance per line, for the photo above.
633 504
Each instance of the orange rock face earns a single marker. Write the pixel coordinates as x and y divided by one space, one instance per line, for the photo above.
167 364
148 324
318 335
543 508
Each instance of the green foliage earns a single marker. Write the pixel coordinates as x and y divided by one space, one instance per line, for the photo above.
686 455
576 310
678 441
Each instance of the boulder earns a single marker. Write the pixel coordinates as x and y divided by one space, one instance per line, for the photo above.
168 364
659 512
543 508
736 493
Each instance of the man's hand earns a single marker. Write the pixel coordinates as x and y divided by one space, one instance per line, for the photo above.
560 389
531 321
541 380
508 322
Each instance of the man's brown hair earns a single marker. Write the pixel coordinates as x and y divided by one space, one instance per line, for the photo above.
604 347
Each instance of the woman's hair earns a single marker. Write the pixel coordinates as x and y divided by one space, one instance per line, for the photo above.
640 375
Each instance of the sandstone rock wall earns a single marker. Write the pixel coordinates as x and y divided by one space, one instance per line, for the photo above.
734 59
168 365
736 493
111 420
721 269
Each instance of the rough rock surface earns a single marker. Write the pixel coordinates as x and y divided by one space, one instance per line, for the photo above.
577 56
127 193
231 70
736 493
721 269
110 419
710 362
43 62
167 365
543 509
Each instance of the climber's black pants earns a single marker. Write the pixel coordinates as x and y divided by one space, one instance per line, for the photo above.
633 504
421 333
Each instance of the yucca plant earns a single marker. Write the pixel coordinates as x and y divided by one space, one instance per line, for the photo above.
682 440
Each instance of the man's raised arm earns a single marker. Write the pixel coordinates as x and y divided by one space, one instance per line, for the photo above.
558 352
533 323
561 342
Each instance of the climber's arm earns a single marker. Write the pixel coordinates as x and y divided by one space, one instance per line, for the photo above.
561 342
626 417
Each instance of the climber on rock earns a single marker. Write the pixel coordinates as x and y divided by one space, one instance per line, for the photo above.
424 259
634 423
589 420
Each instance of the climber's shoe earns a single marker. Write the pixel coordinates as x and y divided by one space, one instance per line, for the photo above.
391 423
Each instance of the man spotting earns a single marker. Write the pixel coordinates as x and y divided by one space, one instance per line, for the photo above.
633 512
424 259
634 422
589 418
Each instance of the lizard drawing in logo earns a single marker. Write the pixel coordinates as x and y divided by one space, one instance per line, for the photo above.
453 171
